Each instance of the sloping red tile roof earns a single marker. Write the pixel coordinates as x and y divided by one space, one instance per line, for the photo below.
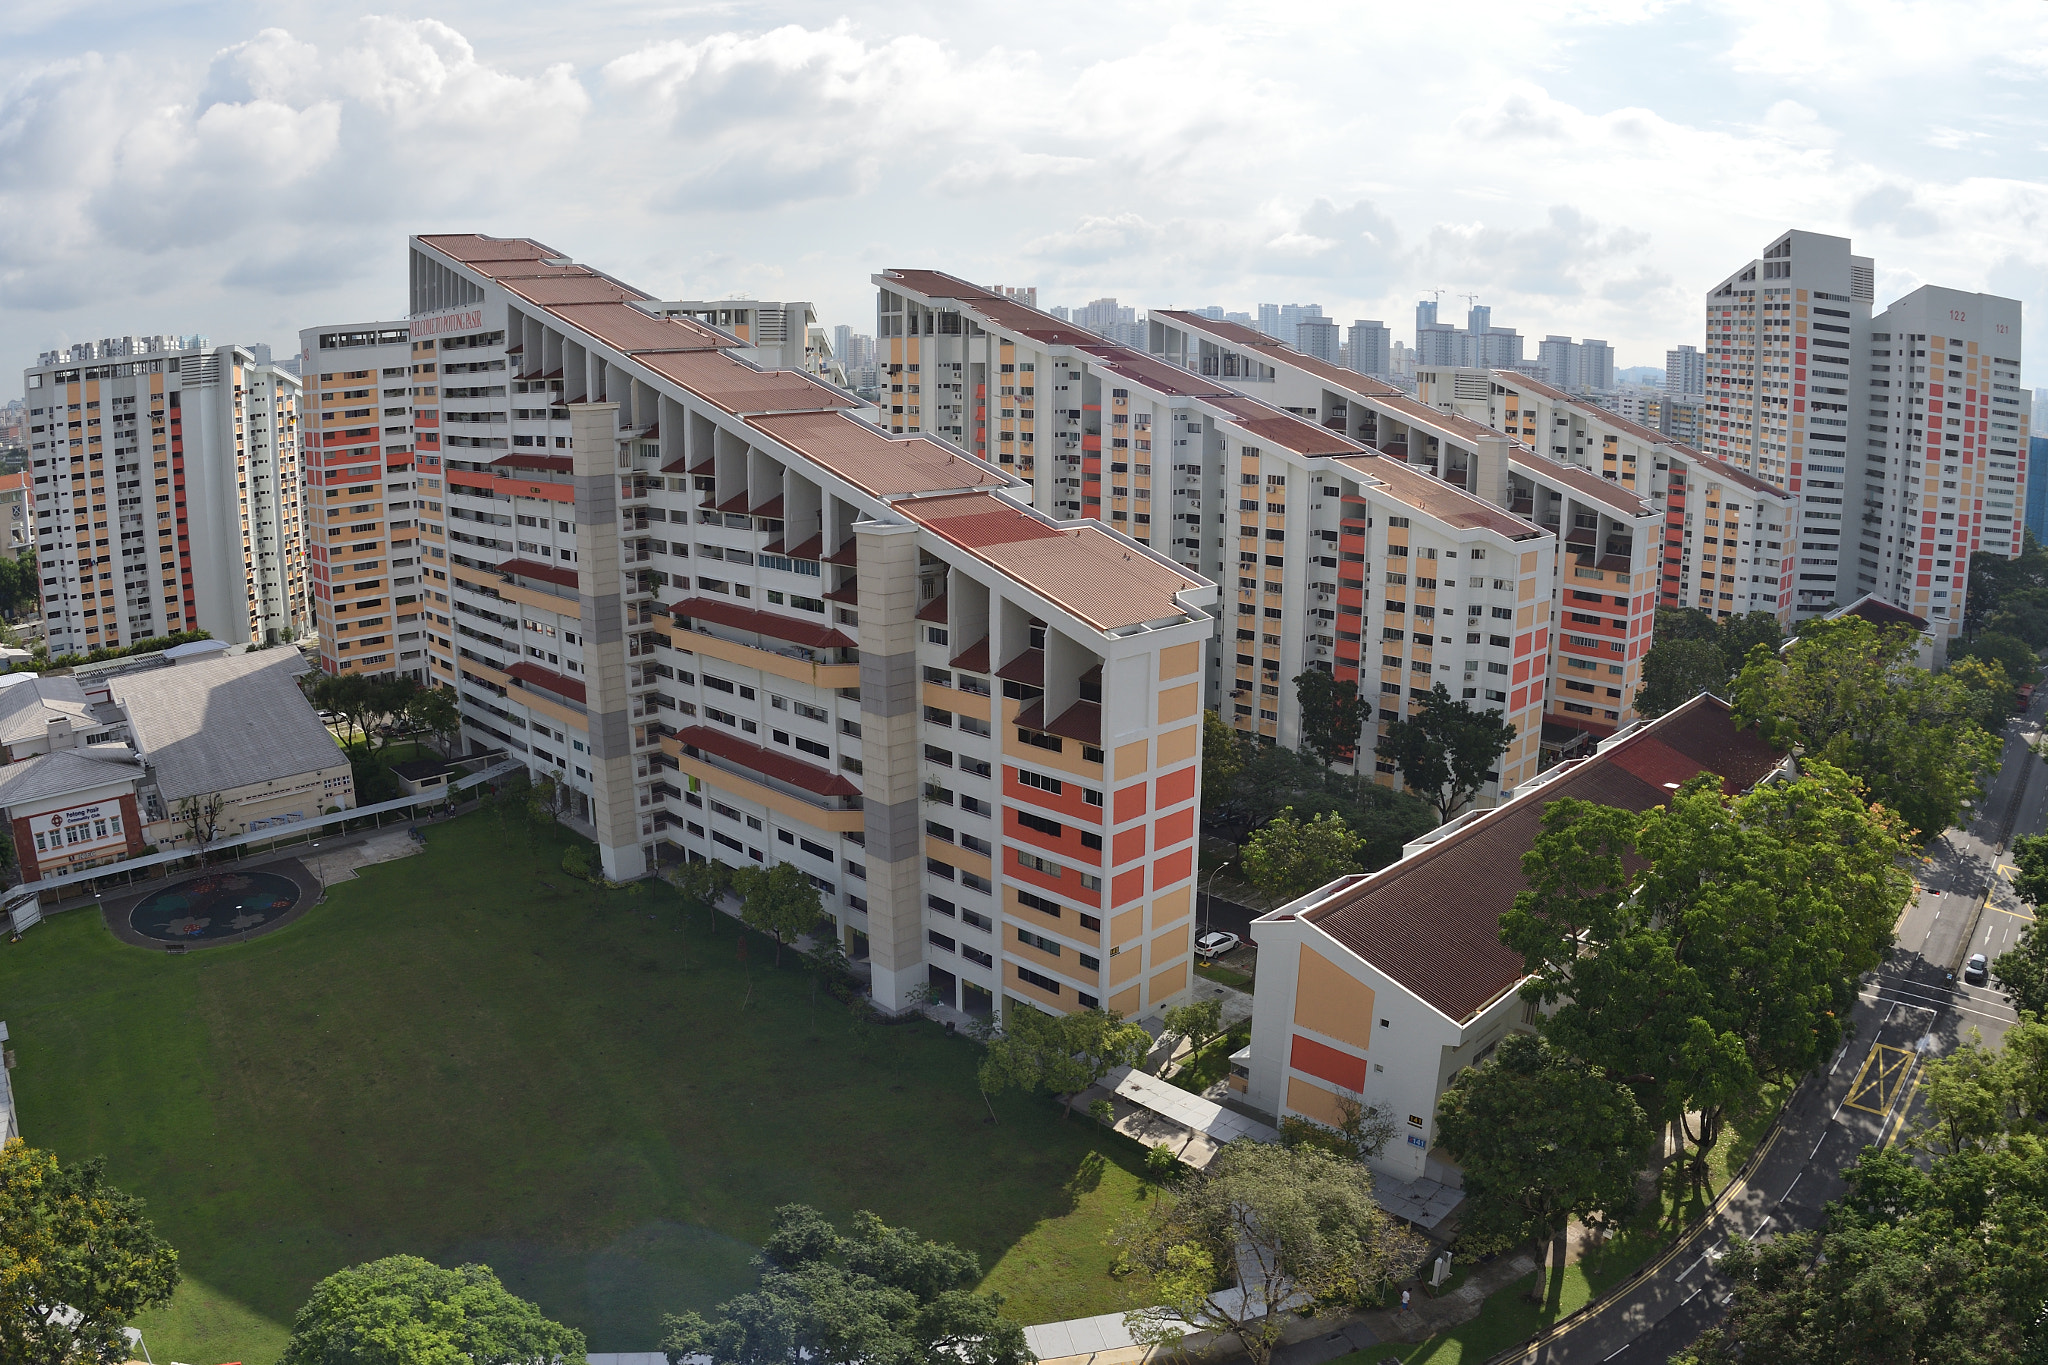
554 464
1286 430
546 573
974 658
738 387
814 634
548 680
1082 568
1879 612
548 291
1432 922
1448 503
767 761
873 461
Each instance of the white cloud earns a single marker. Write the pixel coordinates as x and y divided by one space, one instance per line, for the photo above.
1589 169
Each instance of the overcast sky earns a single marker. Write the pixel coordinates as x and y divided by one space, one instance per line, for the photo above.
245 171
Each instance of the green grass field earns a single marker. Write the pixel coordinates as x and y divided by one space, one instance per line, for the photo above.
468 1056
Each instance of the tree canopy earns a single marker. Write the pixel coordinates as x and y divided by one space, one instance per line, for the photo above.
1289 857
1245 784
1708 946
874 1295
1061 1054
1693 652
1447 749
779 901
2021 971
1945 1264
70 1239
1285 1223
404 1310
1332 715
1543 1138
1853 695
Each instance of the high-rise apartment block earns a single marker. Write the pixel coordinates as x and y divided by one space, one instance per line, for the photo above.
373 506
1576 366
1724 545
1902 434
1317 337
1562 660
1479 342
1369 343
1685 373
1360 531
738 622
167 492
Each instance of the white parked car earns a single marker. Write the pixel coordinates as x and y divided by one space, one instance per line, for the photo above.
1215 943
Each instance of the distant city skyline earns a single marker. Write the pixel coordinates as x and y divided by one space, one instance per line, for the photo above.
1506 189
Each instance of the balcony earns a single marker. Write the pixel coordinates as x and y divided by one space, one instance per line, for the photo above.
801 651
820 799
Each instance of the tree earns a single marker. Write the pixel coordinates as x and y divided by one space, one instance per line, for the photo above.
1361 1133
71 1240
779 901
345 695
1290 857
2009 652
403 1310
1223 757
1062 1054
199 817
1332 715
1948 1263
432 711
2022 970
1853 695
1293 1227
1267 779
547 798
1704 948
1447 749
1543 1138
875 1295
1198 1021
1676 671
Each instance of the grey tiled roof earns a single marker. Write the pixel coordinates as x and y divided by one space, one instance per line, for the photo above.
64 771
28 707
216 724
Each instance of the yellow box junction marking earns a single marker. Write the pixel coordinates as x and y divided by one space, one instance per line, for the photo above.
1878 1080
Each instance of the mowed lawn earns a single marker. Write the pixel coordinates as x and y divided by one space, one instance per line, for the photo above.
468 1056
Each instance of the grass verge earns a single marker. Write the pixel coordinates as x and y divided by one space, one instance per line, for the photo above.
466 1055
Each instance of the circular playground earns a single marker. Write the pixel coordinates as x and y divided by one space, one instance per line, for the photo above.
213 905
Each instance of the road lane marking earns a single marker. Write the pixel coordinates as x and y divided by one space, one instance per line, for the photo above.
1879 1079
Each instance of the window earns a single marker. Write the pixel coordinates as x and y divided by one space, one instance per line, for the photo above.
1042 825
1049 785
1044 983
1038 941
1039 903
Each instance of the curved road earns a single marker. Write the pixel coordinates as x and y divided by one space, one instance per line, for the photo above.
1914 1007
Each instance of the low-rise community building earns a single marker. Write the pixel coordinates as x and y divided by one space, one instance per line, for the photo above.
208 742
1383 986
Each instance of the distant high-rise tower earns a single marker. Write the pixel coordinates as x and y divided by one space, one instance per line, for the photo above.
1318 337
1369 342
1685 372
1904 433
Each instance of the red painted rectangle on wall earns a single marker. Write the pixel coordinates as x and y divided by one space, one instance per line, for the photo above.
1327 1063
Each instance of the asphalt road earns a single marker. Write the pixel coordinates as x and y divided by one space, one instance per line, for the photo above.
1913 1008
